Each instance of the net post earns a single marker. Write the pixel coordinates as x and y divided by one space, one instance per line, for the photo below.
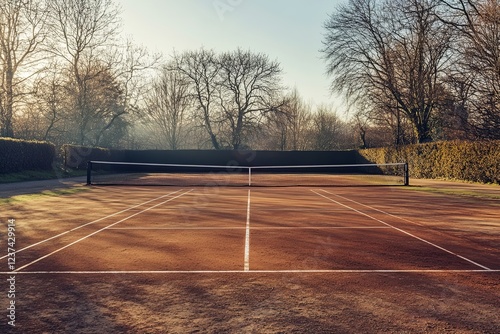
407 175
89 173
249 176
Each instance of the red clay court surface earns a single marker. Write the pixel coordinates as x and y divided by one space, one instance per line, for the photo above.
240 259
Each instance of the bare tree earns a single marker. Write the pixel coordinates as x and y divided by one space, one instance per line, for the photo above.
21 33
361 126
330 132
167 105
201 69
395 49
475 79
83 31
249 87
297 114
51 104
290 128
275 134
106 105
133 65
231 91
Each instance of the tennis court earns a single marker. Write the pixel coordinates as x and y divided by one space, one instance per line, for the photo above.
240 258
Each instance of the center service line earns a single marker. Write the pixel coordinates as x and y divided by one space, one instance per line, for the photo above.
400 230
100 230
247 236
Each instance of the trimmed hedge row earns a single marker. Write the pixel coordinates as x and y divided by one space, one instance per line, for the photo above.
19 155
76 157
454 160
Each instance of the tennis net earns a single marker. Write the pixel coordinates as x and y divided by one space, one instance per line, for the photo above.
152 174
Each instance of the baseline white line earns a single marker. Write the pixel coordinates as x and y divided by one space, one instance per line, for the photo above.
319 227
403 231
100 230
291 271
371 207
247 236
253 228
90 223
178 228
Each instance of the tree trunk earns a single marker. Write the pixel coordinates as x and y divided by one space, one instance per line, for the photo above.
7 129
423 133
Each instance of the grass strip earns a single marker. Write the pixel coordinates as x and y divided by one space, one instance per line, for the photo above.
45 193
456 192
37 175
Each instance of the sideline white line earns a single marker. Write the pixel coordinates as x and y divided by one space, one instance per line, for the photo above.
90 223
290 271
371 207
100 230
247 236
402 231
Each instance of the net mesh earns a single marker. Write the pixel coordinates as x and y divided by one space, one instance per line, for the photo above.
147 174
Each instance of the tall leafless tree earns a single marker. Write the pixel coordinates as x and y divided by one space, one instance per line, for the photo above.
397 49
201 69
133 66
298 113
475 79
329 131
231 91
22 24
82 32
249 87
167 106
290 129
51 102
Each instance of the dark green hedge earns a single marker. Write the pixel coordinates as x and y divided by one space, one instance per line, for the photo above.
19 155
77 157
477 161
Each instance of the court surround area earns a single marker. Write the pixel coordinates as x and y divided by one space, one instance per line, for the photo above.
256 259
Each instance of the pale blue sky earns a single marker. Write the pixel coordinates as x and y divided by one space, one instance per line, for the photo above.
289 31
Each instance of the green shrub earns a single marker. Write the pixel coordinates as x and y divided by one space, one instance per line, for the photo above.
477 161
20 155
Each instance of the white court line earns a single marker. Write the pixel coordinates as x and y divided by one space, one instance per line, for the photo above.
90 223
247 236
178 228
402 231
290 271
253 228
100 230
372 208
319 227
